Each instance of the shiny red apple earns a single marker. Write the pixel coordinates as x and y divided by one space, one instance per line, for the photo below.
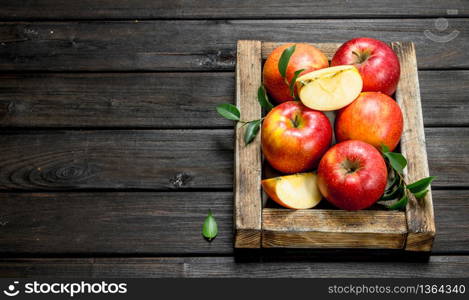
374 118
375 60
294 137
352 175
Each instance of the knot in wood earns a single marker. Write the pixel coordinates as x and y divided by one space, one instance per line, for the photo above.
68 173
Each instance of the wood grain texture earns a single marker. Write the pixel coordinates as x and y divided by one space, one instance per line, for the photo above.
171 100
164 159
113 159
444 97
200 45
113 223
247 161
156 100
419 212
206 9
138 223
218 267
282 228
327 48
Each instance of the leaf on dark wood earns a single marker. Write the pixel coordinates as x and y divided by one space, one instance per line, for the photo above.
210 227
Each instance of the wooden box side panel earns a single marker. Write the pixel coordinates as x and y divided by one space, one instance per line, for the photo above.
283 228
247 188
420 217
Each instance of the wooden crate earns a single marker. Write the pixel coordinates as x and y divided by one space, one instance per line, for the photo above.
260 227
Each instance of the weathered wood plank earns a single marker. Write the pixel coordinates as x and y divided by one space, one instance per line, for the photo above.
200 45
158 223
205 9
247 158
157 100
137 223
444 100
283 228
419 212
448 157
171 100
164 159
216 267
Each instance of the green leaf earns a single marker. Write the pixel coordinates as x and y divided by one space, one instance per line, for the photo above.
228 111
421 194
285 59
396 160
251 131
420 185
399 204
292 82
210 227
384 148
396 205
263 99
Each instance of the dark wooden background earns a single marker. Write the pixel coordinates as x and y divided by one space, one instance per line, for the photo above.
111 152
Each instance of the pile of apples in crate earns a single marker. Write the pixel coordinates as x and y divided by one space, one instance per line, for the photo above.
296 135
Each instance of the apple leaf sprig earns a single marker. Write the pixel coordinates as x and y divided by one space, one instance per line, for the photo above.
397 193
210 227
231 112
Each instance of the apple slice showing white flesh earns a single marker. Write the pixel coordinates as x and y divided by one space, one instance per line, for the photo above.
330 88
298 191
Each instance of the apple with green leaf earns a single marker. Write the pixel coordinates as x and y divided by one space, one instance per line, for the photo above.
287 62
374 118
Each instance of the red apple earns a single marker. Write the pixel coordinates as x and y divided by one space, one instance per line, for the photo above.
373 117
375 60
305 57
294 137
352 175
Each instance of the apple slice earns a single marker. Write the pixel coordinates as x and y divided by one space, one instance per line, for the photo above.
330 88
298 191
